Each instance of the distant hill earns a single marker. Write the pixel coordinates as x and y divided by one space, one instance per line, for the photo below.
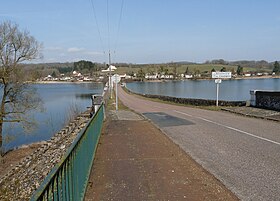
39 70
253 64
184 62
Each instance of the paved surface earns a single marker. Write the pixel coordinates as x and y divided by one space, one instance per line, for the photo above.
124 115
242 152
136 161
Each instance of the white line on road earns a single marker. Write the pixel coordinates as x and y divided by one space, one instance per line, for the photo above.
229 127
183 113
158 107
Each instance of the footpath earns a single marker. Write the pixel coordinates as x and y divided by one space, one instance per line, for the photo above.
136 161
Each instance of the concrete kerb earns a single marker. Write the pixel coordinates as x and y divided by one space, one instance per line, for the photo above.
251 115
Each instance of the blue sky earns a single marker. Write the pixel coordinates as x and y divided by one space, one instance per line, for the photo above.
150 31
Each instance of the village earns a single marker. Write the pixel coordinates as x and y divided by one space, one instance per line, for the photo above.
76 76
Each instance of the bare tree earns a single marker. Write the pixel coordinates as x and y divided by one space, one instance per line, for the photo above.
17 97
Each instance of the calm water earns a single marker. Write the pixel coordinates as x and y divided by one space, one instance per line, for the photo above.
58 99
206 89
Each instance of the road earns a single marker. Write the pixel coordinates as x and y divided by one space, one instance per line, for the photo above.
242 152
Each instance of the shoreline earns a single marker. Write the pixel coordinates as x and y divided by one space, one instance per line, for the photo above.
259 77
158 80
61 82
233 78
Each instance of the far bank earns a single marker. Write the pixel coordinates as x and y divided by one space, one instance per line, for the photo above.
229 90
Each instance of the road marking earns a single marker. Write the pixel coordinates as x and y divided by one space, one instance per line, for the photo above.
231 128
158 107
183 113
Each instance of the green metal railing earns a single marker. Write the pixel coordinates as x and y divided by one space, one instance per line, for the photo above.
68 179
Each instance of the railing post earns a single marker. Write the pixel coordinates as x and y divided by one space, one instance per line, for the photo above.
97 100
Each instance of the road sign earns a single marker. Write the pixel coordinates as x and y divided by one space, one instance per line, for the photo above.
219 75
218 81
116 78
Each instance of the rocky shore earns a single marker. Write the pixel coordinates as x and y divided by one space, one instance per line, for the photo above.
24 178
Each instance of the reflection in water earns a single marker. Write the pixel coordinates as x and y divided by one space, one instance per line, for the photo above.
57 98
206 89
83 96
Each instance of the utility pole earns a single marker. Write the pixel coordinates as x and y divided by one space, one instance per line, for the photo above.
110 76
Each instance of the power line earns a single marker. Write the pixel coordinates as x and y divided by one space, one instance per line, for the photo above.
108 25
96 21
119 25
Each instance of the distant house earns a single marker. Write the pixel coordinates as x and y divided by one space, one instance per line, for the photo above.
65 78
77 74
151 77
128 77
87 79
48 78
104 71
123 76
188 76
112 68
166 76
247 74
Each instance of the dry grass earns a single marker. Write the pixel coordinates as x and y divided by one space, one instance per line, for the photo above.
111 103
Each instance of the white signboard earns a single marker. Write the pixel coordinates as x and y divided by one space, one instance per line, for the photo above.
116 78
219 75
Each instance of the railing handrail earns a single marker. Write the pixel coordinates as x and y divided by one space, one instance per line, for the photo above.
55 170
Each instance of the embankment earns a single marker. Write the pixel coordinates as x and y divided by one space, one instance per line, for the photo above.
24 178
191 101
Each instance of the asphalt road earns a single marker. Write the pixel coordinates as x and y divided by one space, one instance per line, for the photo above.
242 152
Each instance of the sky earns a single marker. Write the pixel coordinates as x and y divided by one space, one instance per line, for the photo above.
149 31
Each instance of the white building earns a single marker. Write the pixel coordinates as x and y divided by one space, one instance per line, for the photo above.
151 77
166 76
188 76
111 68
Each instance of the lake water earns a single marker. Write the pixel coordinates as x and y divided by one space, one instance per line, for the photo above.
232 90
58 99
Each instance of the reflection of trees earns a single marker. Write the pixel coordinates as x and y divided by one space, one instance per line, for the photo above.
84 96
90 85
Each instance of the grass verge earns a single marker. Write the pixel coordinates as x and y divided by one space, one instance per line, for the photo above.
111 103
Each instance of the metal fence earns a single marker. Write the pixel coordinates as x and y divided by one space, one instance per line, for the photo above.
68 179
